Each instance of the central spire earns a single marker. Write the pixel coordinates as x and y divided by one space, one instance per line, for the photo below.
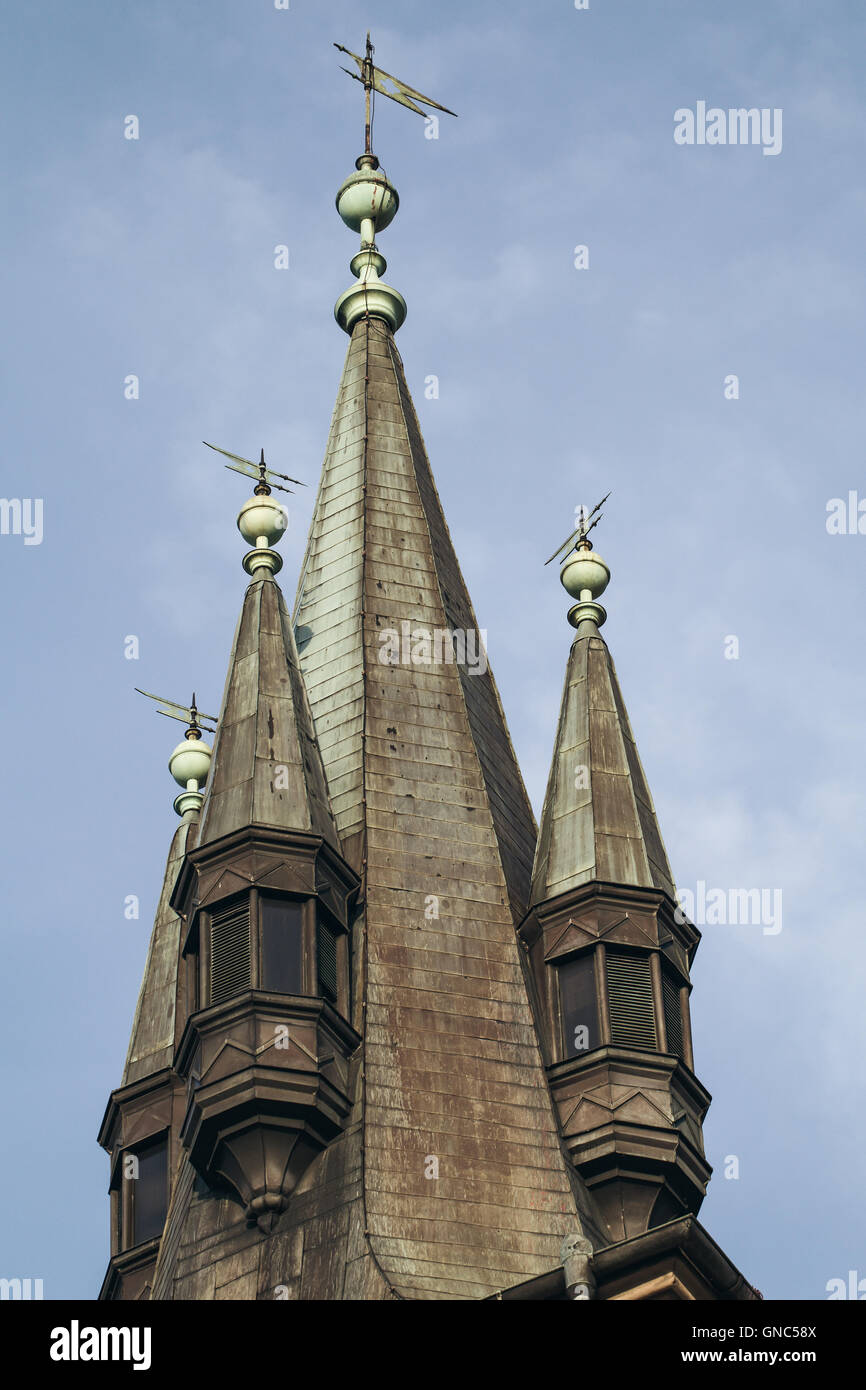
432 814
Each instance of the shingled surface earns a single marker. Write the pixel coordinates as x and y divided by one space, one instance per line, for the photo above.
265 725
450 1181
598 820
465 1184
151 1042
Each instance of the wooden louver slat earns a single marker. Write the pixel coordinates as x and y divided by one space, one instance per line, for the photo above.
327 956
673 1015
230 951
630 1000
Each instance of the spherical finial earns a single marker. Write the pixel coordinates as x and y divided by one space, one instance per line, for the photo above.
262 523
367 203
367 196
585 576
189 765
190 762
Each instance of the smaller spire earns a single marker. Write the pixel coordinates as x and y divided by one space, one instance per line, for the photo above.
598 823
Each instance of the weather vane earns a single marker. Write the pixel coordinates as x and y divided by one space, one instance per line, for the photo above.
186 714
578 537
263 475
190 761
375 80
261 522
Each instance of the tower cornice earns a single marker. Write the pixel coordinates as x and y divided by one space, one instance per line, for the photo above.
251 855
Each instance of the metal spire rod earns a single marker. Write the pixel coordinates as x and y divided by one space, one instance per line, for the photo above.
368 103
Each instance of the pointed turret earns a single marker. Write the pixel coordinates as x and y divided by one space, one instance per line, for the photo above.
268 897
151 1043
598 822
267 768
143 1116
610 949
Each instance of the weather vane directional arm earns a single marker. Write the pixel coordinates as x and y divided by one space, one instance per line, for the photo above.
185 714
262 474
376 80
583 529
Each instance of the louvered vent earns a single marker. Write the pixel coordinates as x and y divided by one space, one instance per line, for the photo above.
673 1015
630 997
327 961
229 951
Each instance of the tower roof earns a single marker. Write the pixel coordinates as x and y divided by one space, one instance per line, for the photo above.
369 1082
598 821
266 767
151 1042
379 572
382 732
430 805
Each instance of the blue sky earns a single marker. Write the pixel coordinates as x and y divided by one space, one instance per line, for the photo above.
155 257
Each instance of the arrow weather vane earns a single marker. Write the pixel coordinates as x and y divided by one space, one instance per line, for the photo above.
265 476
375 80
579 536
185 714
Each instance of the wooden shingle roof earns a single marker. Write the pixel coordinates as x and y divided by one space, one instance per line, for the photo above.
151 1042
431 808
266 768
598 821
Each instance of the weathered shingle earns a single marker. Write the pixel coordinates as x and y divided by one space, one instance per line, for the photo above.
266 767
598 821
430 804
151 1042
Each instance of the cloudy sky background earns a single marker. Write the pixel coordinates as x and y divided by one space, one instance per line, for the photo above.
156 257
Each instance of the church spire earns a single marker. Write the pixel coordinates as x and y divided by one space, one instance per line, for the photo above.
267 769
432 813
598 821
267 897
378 1087
610 950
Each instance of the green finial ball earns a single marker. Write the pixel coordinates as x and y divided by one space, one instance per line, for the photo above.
367 194
190 762
262 519
584 575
